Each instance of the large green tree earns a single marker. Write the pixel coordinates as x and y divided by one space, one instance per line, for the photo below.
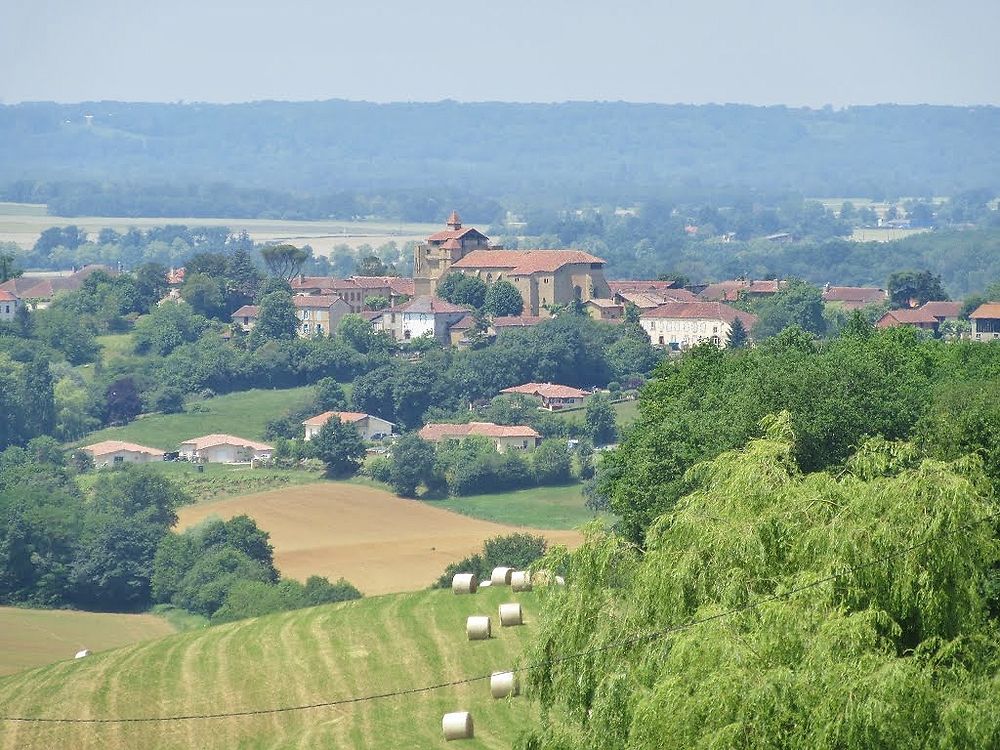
727 632
914 288
412 464
339 446
276 319
797 304
502 299
284 261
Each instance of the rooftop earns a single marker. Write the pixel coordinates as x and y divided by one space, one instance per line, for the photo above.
437 431
209 441
986 310
525 261
547 390
706 310
113 446
427 304
345 416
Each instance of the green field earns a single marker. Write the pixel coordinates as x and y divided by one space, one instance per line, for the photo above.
626 412
32 637
538 507
377 645
115 346
243 414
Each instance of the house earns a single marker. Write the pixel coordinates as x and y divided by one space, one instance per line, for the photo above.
9 303
116 453
653 298
421 316
433 258
942 310
319 314
37 290
504 437
369 427
733 289
511 322
682 325
916 317
543 277
985 321
246 317
458 333
639 285
354 290
854 297
604 309
553 396
224 449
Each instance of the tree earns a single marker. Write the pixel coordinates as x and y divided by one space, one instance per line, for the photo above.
371 265
276 319
339 446
463 289
412 464
151 285
914 288
8 267
503 299
551 462
738 336
121 401
861 661
329 396
203 293
600 420
284 261
68 333
357 332
797 304
167 327
376 302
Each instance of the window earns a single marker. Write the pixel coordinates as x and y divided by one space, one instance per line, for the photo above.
7 309
119 459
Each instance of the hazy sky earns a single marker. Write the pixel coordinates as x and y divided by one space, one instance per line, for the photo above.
800 52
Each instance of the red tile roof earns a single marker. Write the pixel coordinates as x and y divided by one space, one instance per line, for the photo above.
347 417
724 290
427 304
905 318
454 221
864 294
209 441
640 285
6 296
525 261
465 323
942 309
435 432
247 311
454 234
655 299
547 390
516 321
986 310
706 310
312 301
113 446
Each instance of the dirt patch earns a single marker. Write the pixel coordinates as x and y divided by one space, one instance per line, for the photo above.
380 543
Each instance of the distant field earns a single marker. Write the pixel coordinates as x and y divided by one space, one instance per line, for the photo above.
539 507
115 346
377 541
626 412
378 645
884 235
32 637
23 223
244 414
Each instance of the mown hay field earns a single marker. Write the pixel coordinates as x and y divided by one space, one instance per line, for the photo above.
379 542
328 653
32 637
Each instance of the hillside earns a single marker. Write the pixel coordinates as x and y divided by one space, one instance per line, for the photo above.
313 159
379 542
308 656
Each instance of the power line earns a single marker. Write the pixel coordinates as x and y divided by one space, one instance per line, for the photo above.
622 643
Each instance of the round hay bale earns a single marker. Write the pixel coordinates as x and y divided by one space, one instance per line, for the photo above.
520 580
457 726
477 627
501 576
504 684
510 614
82 653
465 583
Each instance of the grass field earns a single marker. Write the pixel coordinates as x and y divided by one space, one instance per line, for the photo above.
243 414
539 507
115 346
23 223
32 637
626 412
378 645
377 541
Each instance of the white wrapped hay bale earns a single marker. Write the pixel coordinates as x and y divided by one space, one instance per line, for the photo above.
465 583
501 576
82 653
510 614
485 584
504 684
520 580
477 627
457 726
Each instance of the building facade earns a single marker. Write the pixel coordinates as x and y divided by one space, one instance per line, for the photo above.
368 426
421 316
9 303
433 258
224 449
682 325
116 453
503 437
985 321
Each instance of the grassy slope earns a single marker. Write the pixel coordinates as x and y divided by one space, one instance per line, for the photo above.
327 653
626 413
31 637
244 414
539 507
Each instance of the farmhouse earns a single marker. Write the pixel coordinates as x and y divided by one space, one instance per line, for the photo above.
116 453
369 427
9 302
421 316
733 289
942 310
682 325
985 321
38 290
246 317
504 437
554 397
509 322
917 318
854 297
224 449
604 309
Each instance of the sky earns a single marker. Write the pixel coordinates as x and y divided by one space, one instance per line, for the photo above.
798 53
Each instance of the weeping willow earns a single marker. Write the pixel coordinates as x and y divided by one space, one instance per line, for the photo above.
901 652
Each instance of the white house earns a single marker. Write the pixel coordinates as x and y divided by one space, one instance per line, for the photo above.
116 453
368 426
224 449
504 437
9 302
682 325
553 396
421 316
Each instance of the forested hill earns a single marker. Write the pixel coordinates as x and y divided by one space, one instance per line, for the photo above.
583 150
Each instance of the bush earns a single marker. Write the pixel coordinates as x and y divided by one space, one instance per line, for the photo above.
551 462
514 550
379 469
254 598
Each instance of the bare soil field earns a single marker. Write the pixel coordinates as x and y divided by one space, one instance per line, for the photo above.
33 637
377 541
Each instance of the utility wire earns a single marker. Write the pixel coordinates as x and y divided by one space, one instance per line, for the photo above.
622 643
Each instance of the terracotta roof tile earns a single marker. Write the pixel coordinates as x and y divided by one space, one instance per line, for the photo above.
345 416
707 310
986 310
525 261
112 446
209 441
942 308
516 321
435 432
311 301
247 311
427 304
639 285
547 390
454 234
905 317
6 296
865 294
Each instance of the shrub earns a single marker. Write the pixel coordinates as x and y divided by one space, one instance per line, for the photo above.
514 550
